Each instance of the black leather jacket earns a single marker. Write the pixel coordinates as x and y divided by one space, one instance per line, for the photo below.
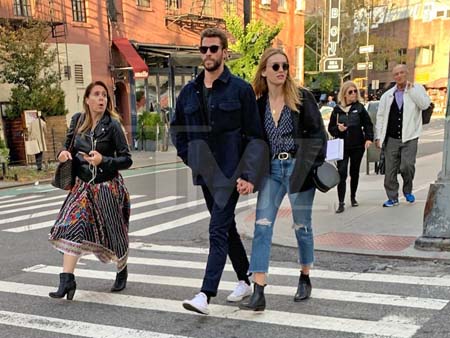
108 139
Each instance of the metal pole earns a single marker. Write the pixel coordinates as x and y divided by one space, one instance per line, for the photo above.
436 218
366 94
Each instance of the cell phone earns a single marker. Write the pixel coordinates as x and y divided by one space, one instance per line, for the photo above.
82 153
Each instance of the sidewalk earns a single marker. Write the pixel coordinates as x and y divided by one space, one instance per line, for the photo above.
141 159
368 228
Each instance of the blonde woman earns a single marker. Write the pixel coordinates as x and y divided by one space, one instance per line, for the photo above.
95 215
351 122
296 137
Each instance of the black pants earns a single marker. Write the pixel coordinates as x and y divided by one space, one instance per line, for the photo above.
355 156
38 158
223 239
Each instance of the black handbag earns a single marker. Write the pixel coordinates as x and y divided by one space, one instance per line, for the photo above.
326 177
64 177
426 114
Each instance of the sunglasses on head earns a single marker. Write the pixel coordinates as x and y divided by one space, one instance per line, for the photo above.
352 91
212 48
277 66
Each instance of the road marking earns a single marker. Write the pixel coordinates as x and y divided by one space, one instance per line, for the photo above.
328 294
153 172
167 248
55 211
183 220
357 326
75 328
20 199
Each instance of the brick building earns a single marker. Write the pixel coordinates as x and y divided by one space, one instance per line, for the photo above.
148 45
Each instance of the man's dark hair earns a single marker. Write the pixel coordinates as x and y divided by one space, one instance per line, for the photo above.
215 33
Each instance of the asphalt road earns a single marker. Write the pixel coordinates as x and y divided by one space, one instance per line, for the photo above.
353 295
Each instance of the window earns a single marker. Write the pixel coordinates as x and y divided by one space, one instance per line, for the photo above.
424 55
173 4
299 5
22 8
282 4
79 78
299 62
79 10
402 55
266 2
143 3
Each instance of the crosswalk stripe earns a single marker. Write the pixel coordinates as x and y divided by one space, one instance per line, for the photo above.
167 248
55 211
19 199
316 273
76 328
328 323
21 203
183 221
328 294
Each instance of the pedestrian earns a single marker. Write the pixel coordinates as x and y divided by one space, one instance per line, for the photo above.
399 125
296 137
95 215
38 131
331 102
351 122
217 132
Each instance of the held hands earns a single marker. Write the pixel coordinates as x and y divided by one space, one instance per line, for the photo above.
94 157
367 144
243 187
64 156
341 127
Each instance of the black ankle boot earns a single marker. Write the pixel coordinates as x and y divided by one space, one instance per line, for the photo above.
341 208
121 280
67 285
354 202
304 288
257 301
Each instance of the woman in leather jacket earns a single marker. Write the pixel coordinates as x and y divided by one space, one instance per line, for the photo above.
351 122
296 138
95 215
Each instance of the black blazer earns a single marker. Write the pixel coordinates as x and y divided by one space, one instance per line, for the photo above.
109 140
309 136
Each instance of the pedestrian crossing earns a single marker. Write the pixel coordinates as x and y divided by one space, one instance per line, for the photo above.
344 304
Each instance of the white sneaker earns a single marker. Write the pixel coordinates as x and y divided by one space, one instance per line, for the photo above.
241 291
197 304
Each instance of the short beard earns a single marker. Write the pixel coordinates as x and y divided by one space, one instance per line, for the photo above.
214 67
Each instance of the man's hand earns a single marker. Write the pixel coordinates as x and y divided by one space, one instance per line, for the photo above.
243 187
377 143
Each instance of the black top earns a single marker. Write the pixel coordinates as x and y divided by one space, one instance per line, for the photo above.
280 138
395 121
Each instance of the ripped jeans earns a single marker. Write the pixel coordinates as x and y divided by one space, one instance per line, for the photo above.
270 197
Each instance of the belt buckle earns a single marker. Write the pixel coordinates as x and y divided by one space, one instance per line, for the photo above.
283 156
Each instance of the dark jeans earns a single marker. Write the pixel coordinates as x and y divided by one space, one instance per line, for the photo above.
38 158
223 238
355 156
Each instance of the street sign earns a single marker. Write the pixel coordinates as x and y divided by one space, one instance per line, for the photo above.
333 26
375 84
366 49
333 65
362 65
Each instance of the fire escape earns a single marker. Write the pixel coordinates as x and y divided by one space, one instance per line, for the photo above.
202 14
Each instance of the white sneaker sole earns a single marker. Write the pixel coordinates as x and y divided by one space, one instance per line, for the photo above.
233 299
188 306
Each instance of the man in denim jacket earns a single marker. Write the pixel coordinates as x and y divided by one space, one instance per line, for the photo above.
218 133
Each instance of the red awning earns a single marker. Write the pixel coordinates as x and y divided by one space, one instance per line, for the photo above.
140 69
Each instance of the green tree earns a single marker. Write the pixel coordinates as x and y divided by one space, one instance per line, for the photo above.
28 63
249 43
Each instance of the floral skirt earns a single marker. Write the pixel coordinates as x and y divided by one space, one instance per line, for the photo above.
94 219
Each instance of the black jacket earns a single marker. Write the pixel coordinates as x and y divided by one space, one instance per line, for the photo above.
109 140
360 127
309 136
225 145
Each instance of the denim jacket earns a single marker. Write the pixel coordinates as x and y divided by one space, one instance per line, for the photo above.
227 144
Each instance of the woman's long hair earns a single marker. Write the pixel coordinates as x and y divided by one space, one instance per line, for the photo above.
88 123
291 91
344 88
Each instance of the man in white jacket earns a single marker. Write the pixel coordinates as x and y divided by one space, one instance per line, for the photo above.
399 125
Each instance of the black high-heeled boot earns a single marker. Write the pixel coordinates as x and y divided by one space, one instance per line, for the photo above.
257 301
121 280
304 288
67 286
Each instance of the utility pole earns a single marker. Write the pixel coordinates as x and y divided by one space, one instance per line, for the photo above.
436 216
366 94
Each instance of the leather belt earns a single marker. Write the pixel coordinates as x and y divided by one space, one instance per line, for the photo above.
283 156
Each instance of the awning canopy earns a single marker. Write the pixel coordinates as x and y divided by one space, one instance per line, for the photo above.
140 69
181 56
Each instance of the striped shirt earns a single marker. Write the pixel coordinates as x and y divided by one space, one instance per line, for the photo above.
280 138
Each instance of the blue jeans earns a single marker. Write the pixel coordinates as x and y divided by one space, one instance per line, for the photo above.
270 197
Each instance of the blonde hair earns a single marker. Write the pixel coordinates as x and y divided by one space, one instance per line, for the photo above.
290 89
88 123
344 88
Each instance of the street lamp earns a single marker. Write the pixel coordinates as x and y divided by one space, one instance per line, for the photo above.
436 218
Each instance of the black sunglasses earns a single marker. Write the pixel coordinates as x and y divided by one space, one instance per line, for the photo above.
276 66
352 91
212 48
